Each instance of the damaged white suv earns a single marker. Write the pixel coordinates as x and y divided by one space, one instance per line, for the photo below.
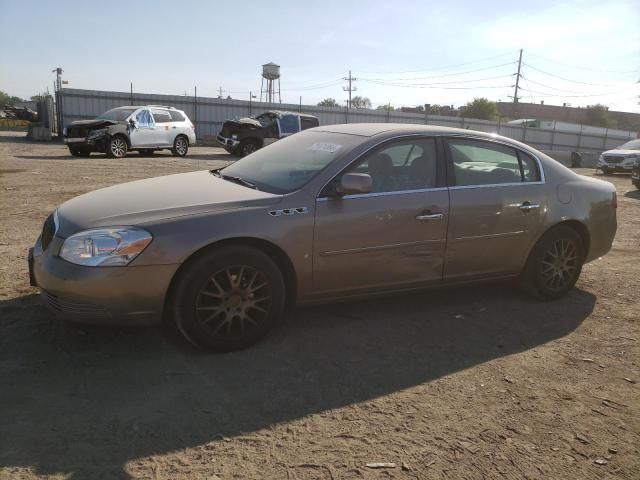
620 159
122 129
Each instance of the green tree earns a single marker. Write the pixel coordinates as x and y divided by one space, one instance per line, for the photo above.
6 99
598 115
435 109
328 102
480 108
385 108
360 102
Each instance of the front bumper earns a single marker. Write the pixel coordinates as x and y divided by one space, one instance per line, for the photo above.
616 167
227 142
124 296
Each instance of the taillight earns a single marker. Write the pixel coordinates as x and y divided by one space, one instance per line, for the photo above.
614 200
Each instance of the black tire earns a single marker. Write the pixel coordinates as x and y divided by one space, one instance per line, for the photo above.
606 171
180 146
228 299
232 151
246 147
117 147
554 264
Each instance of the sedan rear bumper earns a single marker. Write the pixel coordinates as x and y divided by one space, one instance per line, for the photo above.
124 296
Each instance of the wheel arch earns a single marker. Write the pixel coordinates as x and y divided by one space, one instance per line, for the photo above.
579 227
272 250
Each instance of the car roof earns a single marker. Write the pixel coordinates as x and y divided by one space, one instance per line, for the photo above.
372 129
135 107
287 112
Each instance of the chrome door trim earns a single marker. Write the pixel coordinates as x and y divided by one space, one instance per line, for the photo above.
383 194
492 185
381 247
430 216
491 235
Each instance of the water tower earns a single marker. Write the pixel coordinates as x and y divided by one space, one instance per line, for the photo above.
270 73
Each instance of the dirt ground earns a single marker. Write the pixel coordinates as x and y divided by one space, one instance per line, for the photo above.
468 383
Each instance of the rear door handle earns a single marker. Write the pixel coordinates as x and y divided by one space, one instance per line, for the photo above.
528 206
430 216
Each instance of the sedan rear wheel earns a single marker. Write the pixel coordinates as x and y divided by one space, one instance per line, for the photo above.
555 263
229 299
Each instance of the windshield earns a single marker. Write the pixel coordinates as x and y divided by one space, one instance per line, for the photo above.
117 114
632 145
289 164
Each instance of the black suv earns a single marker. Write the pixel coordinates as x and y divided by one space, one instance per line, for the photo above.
246 135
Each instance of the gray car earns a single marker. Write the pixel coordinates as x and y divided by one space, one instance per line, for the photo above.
331 212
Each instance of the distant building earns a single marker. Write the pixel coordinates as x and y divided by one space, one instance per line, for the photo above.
542 111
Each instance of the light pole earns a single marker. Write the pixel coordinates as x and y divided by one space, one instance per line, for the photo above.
251 95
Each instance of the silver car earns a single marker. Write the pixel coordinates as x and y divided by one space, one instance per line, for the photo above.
119 130
332 212
620 159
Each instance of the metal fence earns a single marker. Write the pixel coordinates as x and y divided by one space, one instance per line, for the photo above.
208 114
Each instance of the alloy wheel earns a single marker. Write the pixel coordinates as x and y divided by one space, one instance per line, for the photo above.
560 264
234 302
181 146
248 148
118 147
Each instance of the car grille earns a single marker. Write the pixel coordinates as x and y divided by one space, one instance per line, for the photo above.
48 231
76 132
71 308
613 159
226 131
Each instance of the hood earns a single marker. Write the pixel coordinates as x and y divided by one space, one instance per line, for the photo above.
96 122
621 152
146 201
245 121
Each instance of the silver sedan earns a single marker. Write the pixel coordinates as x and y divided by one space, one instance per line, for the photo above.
331 212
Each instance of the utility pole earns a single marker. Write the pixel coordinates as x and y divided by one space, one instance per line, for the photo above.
350 88
251 96
220 92
515 94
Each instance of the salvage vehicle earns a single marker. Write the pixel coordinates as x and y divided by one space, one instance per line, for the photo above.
246 135
332 212
620 159
120 130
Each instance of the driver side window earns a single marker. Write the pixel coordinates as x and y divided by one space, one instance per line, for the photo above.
400 166
144 119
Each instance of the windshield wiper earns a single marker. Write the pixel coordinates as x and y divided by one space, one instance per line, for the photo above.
238 180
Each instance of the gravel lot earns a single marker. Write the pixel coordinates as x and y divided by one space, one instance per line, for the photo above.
467 383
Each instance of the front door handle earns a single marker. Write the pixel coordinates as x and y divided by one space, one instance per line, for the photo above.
430 216
528 206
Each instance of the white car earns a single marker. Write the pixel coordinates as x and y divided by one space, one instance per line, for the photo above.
620 159
119 130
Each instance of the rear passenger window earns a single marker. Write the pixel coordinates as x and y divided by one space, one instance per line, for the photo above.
482 163
289 124
306 122
161 116
176 116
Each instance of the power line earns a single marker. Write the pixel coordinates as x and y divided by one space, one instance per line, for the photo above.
430 77
453 82
445 67
581 67
567 79
404 85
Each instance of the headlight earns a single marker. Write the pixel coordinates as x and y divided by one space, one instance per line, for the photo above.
111 246
234 136
601 159
97 133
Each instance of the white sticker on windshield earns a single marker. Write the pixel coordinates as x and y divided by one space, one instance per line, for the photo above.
325 147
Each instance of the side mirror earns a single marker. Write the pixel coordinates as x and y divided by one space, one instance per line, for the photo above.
354 183
132 122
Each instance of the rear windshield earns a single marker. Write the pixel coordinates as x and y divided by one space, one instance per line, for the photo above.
290 163
176 116
117 114
632 145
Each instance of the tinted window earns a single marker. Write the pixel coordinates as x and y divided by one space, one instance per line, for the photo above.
306 122
483 163
160 116
289 124
143 118
176 116
407 165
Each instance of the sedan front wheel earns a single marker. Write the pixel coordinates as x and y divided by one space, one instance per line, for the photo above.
229 298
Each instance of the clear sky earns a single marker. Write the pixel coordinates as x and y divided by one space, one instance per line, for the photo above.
402 52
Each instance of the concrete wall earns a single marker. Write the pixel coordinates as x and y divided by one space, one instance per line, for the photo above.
208 114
